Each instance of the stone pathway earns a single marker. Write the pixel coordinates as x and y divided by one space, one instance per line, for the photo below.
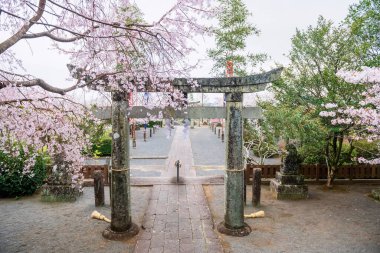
180 150
178 219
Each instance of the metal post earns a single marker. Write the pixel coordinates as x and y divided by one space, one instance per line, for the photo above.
150 132
144 136
178 165
233 223
121 222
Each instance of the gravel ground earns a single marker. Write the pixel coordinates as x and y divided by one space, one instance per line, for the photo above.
29 225
341 220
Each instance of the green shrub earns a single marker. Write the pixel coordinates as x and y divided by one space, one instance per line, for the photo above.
12 181
154 123
102 147
368 150
312 154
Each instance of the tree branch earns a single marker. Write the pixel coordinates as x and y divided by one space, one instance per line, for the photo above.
51 36
41 83
22 31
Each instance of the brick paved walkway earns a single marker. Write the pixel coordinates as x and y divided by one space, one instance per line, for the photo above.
178 218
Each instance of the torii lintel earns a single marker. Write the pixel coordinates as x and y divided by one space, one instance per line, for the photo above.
246 84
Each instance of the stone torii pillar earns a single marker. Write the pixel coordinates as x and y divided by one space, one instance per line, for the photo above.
121 222
233 223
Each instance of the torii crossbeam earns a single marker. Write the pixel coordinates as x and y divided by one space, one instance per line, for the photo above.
233 87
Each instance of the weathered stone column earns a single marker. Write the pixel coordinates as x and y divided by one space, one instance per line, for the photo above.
233 223
98 188
121 223
256 187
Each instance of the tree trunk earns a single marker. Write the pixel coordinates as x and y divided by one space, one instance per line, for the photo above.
330 176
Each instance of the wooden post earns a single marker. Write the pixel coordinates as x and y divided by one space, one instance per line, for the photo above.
317 172
373 172
233 223
121 219
350 172
256 187
98 188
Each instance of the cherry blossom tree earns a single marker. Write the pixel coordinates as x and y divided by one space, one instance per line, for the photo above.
111 48
40 122
362 122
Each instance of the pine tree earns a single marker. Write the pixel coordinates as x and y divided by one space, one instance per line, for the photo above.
231 36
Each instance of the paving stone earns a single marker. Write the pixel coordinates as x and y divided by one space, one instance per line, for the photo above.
186 248
171 246
199 245
156 250
157 240
145 235
171 236
142 246
182 234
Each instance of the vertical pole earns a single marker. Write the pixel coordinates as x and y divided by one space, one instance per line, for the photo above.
233 223
98 188
256 187
121 223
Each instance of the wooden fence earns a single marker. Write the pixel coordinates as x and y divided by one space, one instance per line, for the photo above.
310 171
318 171
88 171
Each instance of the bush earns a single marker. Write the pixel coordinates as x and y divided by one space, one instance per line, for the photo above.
368 150
101 143
12 181
103 148
155 123
312 154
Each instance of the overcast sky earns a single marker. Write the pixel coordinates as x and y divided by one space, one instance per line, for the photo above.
277 20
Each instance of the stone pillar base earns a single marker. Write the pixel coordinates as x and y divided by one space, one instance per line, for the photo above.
288 187
118 236
240 232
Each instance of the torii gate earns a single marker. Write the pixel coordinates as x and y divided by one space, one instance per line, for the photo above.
233 87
